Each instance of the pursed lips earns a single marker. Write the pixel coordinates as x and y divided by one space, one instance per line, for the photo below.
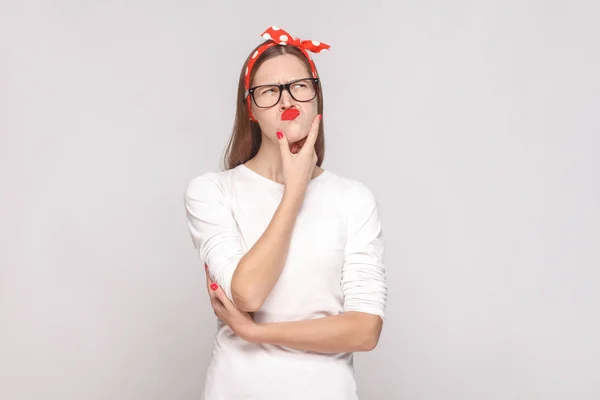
290 114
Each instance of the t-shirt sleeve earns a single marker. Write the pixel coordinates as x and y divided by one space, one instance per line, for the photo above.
214 231
364 284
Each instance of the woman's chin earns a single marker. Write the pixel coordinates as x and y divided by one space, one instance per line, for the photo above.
293 133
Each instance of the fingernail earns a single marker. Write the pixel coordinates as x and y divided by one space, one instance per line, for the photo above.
214 286
320 116
279 134
205 267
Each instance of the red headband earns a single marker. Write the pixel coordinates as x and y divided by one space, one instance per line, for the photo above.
274 36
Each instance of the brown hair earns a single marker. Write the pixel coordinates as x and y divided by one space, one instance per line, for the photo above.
246 137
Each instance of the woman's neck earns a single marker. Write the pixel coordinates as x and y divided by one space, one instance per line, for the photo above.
267 162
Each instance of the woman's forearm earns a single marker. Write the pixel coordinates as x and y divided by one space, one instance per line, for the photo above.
260 268
346 332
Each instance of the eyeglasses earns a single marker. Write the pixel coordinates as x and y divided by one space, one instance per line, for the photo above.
266 96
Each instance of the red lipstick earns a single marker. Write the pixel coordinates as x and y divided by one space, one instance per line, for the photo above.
290 114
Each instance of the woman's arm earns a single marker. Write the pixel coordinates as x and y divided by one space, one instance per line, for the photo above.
347 332
350 331
363 286
260 268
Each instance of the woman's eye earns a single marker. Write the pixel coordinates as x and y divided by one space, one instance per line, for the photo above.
266 91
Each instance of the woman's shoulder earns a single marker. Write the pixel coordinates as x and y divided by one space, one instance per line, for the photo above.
352 189
357 201
209 184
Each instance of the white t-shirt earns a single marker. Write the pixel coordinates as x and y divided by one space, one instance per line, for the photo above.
334 264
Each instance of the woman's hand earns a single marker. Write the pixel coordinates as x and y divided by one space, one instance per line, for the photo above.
298 166
240 322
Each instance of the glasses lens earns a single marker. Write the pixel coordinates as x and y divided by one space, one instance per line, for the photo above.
266 96
303 90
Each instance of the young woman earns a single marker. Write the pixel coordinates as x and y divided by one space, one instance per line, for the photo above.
293 253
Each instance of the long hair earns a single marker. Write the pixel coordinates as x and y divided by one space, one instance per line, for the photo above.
246 137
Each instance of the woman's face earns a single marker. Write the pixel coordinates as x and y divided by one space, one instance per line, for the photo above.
278 70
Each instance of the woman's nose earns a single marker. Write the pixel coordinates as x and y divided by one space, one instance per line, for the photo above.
286 100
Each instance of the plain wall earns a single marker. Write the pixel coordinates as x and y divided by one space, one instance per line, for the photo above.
475 124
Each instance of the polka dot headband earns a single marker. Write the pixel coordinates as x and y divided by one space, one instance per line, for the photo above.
277 36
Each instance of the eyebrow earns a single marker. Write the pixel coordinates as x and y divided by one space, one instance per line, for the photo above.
282 83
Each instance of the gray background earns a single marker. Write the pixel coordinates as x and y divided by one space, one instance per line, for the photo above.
475 123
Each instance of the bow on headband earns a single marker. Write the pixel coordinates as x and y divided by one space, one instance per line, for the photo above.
277 36
280 36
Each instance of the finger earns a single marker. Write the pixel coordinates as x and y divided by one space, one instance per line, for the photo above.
215 303
284 146
212 296
296 146
218 309
221 296
209 282
312 135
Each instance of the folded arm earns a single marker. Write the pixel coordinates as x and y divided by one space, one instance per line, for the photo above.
347 332
363 286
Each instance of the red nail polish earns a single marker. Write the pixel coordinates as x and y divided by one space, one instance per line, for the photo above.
279 134
214 286
320 116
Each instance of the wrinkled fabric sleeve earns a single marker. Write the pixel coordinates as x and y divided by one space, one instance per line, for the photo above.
214 231
364 285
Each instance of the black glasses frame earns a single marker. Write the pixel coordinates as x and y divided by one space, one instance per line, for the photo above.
282 87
